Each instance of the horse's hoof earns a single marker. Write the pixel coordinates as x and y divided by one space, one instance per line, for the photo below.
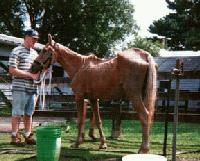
93 138
116 134
75 145
83 136
143 150
103 146
92 135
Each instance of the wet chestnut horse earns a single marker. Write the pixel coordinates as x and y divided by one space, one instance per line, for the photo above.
131 74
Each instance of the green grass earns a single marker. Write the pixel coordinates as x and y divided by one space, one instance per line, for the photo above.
188 139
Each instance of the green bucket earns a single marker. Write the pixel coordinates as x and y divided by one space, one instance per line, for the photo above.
48 143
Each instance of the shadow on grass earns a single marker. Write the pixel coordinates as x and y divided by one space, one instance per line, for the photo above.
33 158
68 154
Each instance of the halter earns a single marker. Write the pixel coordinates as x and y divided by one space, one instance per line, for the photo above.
42 64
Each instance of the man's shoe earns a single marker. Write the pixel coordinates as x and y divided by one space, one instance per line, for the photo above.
16 140
30 140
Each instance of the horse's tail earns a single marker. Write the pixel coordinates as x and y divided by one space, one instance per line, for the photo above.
150 96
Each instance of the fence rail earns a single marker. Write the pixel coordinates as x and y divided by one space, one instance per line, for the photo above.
184 95
124 115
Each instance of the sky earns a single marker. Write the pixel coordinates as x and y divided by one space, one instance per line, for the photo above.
146 11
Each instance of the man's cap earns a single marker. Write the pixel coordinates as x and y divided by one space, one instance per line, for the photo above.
31 32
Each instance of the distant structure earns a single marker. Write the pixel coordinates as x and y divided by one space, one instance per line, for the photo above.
168 53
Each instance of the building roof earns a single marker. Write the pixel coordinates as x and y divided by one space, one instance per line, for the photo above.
167 53
191 65
14 41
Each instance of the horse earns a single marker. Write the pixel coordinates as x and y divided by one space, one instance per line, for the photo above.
130 74
41 64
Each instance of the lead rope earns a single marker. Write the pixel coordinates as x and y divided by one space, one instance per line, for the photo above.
50 71
42 93
41 89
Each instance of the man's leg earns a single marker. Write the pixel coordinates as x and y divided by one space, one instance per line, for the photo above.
27 125
15 137
15 121
17 111
29 110
28 130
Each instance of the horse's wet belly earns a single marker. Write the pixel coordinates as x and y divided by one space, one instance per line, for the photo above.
107 92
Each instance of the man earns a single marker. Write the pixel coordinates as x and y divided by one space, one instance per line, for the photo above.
24 91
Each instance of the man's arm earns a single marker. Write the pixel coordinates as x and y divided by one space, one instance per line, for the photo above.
23 74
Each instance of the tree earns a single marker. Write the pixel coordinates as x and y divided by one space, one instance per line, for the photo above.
11 18
182 26
153 47
83 25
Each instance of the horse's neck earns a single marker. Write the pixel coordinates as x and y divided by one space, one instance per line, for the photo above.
70 61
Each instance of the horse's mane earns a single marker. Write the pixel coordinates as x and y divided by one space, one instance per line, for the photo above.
87 58
92 58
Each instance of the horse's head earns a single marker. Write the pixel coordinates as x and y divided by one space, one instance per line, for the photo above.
44 60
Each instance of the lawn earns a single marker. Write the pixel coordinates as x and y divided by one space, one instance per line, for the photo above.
188 140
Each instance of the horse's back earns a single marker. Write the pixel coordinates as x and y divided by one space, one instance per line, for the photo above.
133 56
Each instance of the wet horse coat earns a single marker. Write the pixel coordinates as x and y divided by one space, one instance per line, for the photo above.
131 74
112 79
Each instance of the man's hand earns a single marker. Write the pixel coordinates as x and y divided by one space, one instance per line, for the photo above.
35 76
23 74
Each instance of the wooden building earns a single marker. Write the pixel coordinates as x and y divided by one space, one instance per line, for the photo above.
189 82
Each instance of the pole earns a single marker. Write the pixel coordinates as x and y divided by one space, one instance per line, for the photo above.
168 87
175 119
177 72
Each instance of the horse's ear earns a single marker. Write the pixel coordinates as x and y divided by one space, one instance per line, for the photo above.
50 39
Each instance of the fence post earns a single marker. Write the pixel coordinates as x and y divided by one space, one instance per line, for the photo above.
116 120
177 72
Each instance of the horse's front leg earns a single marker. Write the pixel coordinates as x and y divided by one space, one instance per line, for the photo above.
95 107
81 116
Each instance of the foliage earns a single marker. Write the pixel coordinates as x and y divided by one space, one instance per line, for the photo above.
182 25
146 44
83 25
11 17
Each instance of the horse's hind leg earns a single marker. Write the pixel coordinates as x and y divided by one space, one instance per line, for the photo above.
95 107
81 116
91 133
145 118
